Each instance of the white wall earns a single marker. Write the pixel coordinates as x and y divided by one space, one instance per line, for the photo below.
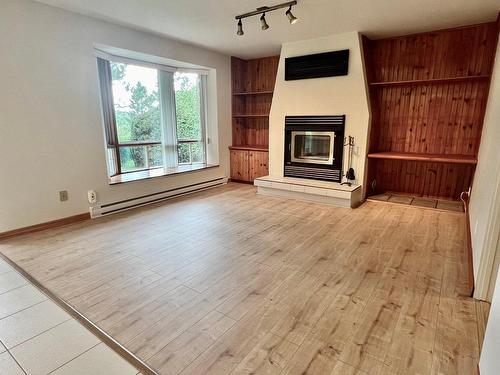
323 96
51 135
485 197
489 363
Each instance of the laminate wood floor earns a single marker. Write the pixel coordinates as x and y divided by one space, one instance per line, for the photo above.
229 282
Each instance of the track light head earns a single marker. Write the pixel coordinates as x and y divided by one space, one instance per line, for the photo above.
263 22
290 16
240 28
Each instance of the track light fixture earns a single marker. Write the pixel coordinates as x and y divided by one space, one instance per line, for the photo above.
263 22
240 28
263 10
290 16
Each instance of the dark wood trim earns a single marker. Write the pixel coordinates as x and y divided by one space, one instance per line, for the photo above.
243 116
468 246
43 226
249 148
240 181
98 332
254 93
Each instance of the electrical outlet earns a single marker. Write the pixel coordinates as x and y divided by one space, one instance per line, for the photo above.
92 196
63 195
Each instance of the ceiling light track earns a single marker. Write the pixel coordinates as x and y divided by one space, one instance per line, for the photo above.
263 10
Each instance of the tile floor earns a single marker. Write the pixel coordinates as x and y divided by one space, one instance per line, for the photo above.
37 337
421 202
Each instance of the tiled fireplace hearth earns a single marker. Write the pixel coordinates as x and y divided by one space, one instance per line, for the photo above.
310 190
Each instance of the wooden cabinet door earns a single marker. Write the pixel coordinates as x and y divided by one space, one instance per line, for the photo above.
239 165
258 162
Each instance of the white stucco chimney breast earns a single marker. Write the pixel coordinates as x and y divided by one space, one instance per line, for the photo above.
341 95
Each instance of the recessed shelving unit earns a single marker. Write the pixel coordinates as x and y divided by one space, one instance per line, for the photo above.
428 95
252 88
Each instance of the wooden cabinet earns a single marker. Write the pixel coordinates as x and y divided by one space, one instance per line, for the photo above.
239 165
247 165
258 164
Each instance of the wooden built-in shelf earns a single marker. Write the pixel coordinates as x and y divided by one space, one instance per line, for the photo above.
243 116
250 148
432 80
456 159
428 95
254 93
252 87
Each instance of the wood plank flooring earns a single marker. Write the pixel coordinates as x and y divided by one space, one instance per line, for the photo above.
229 282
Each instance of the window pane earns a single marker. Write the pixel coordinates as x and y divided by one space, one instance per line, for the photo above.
187 106
136 102
183 151
197 152
191 152
140 157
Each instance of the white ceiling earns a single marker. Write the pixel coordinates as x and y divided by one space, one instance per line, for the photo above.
211 23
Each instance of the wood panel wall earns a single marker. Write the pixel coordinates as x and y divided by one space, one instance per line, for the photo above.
431 118
437 180
254 75
449 53
428 96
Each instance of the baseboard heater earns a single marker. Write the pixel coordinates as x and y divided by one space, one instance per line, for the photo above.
127 204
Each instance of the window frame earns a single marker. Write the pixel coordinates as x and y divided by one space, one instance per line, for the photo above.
113 144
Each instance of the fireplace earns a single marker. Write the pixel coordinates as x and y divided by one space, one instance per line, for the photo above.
314 147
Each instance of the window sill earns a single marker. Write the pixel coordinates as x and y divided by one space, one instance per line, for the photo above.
158 172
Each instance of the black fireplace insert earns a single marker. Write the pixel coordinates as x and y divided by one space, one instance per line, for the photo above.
314 147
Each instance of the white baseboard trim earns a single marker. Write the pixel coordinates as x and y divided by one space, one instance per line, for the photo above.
128 204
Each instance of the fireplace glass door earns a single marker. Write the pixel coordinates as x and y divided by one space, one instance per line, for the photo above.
312 147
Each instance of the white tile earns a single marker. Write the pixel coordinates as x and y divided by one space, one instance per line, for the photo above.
53 348
19 299
262 183
5 267
11 280
315 191
98 360
297 188
8 366
338 194
27 323
280 186
2 348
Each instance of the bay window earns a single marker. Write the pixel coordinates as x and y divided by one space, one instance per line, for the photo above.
154 116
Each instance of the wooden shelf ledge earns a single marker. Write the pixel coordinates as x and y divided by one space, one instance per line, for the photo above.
250 148
253 93
439 158
432 80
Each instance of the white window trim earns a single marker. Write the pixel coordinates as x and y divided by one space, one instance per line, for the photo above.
147 64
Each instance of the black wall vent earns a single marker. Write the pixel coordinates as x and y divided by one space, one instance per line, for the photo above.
327 64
